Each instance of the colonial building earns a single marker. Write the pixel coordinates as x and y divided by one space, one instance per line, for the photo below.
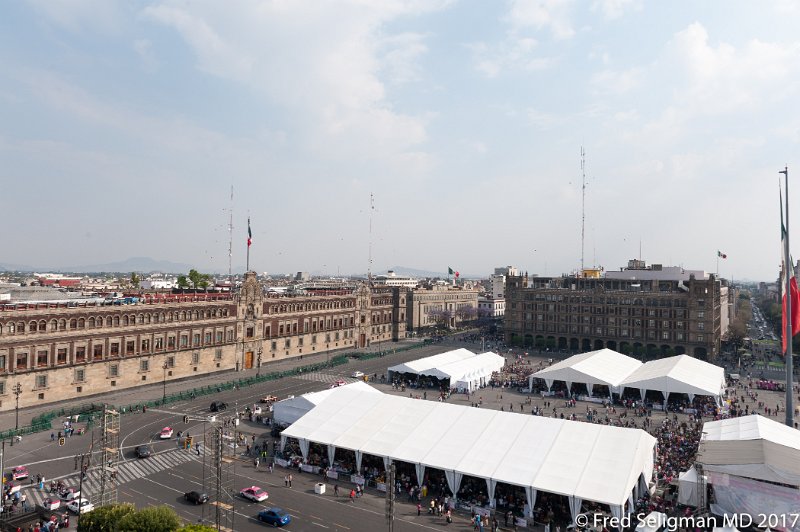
644 311
64 350
437 305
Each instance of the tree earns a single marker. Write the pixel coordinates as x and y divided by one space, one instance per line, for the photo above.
152 519
195 277
135 280
197 528
105 518
182 282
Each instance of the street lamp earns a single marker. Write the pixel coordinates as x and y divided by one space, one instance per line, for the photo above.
327 354
164 397
258 360
17 390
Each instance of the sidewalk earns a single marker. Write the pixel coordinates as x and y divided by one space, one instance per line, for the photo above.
155 391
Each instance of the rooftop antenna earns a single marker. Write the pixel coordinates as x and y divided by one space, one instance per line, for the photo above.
583 204
230 243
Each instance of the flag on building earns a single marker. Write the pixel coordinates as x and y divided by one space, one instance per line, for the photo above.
721 254
794 293
249 233
457 274
450 271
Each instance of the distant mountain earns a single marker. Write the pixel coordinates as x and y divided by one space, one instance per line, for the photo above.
5 266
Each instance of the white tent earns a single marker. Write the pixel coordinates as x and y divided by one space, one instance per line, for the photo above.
678 374
469 373
751 446
419 366
595 367
579 460
688 487
290 410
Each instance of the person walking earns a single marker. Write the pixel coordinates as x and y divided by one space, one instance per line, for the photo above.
352 495
285 481
290 480
419 509
256 463
336 490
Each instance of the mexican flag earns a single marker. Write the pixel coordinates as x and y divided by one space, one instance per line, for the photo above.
249 233
794 293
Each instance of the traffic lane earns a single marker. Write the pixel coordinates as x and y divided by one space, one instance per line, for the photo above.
309 511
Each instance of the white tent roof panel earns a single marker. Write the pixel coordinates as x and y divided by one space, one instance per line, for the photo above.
595 367
679 374
472 368
592 462
424 364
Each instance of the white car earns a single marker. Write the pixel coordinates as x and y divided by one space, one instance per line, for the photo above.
166 433
85 506
254 493
358 374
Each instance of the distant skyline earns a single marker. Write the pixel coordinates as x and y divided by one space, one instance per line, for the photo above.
123 127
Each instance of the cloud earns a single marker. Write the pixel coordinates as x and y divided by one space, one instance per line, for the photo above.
617 82
514 53
144 49
333 77
553 15
613 9
80 15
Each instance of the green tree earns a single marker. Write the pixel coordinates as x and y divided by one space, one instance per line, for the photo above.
135 280
152 519
182 282
198 528
105 518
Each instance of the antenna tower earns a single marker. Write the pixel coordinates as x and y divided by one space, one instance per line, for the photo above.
583 204
371 209
111 451
230 243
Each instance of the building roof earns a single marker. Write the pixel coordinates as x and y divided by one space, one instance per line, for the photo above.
752 446
591 462
467 369
290 410
595 367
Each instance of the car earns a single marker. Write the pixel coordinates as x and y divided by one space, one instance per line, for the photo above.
269 399
70 494
195 497
166 433
358 374
218 406
338 383
254 493
274 517
19 473
256 410
84 504
143 451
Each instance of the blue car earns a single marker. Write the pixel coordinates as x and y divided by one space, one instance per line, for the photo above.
274 517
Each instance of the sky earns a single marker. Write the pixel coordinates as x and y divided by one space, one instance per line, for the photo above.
418 133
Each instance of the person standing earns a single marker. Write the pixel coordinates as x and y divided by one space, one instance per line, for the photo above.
285 481
336 490
290 480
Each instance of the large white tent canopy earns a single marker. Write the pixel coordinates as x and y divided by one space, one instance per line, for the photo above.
595 367
462 367
753 447
290 410
582 461
678 374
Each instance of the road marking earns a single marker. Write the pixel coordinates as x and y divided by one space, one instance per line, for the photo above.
315 523
342 526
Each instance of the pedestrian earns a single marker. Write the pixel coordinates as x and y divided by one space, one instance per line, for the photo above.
419 509
336 490
270 466
449 517
256 463
507 517
52 436
290 480
286 481
352 495
24 500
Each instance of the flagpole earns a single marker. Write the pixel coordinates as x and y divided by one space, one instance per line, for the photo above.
787 294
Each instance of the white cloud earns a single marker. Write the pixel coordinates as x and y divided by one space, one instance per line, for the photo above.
400 57
614 82
514 53
613 9
80 15
540 14
144 49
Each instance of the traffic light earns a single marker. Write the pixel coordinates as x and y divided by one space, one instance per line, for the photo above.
186 419
61 441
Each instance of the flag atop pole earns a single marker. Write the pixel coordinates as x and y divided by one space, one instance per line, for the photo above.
721 255
249 233
792 289
450 271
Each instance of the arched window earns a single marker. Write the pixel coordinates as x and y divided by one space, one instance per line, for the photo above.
53 325
11 328
73 324
81 323
32 326
91 322
125 320
109 321
62 325
116 321
1 329
42 326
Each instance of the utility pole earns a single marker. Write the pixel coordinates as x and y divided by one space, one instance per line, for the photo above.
164 397
390 497
788 271
258 360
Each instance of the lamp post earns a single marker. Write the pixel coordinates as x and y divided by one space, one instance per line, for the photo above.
164 397
258 361
16 390
327 354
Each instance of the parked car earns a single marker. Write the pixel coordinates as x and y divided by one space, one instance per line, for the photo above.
80 505
166 433
254 493
218 406
358 374
195 497
269 399
338 383
143 451
19 473
274 517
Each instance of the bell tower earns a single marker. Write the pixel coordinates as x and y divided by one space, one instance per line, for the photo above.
250 326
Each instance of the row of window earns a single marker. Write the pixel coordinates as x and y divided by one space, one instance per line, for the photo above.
663 302
311 306
287 343
21 358
653 324
678 336
117 320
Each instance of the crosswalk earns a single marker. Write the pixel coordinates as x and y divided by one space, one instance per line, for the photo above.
126 472
317 376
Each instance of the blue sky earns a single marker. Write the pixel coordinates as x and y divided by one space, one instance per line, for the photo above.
123 126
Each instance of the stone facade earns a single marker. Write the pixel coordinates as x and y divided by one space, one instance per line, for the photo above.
428 308
641 317
66 351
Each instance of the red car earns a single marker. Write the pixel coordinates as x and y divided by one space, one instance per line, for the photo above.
254 493
19 473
